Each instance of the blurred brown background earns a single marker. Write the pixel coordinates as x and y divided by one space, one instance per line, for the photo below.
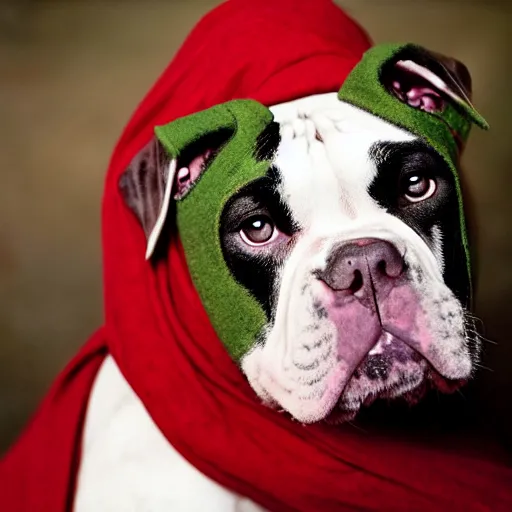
71 74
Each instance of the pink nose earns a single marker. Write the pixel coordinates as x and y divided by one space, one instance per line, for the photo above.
364 267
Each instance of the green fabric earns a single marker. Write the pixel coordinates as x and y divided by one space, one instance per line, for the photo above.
236 316
363 88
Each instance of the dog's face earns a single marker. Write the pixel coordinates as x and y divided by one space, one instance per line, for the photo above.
350 240
351 244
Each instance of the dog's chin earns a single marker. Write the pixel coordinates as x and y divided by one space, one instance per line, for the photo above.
407 377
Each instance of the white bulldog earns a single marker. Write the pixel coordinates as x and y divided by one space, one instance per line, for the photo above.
348 242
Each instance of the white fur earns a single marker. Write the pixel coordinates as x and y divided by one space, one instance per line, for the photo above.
437 236
128 465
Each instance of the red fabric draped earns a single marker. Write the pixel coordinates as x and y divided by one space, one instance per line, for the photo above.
158 333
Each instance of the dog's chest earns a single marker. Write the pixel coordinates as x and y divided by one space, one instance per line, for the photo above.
128 465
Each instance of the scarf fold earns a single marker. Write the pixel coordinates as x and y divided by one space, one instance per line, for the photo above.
160 336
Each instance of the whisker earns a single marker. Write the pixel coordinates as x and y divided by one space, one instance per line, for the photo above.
487 340
470 321
462 395
480 337
478 365
357 427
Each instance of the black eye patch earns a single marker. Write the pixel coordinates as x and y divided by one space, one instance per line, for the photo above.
437 218
257 272
396 162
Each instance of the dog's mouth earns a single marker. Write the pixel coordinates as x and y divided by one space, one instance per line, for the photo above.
391 370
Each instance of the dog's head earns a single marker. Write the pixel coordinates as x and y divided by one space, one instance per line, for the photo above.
326 236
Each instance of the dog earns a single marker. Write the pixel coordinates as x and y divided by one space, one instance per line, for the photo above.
351 243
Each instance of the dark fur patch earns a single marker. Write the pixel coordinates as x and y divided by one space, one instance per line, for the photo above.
394 160
267 143
255 271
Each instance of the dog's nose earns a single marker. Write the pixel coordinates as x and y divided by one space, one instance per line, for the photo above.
363 267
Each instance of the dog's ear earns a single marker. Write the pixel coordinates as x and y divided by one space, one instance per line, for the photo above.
427 81
143 186
172 163
154 178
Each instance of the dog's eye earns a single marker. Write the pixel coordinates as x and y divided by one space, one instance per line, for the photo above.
417 187
258 230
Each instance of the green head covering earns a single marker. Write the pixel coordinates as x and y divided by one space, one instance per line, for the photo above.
446 131
236 315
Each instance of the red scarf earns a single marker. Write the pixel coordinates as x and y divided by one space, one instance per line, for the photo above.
158 332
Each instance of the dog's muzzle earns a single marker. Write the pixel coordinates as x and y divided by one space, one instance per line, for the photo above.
361 327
